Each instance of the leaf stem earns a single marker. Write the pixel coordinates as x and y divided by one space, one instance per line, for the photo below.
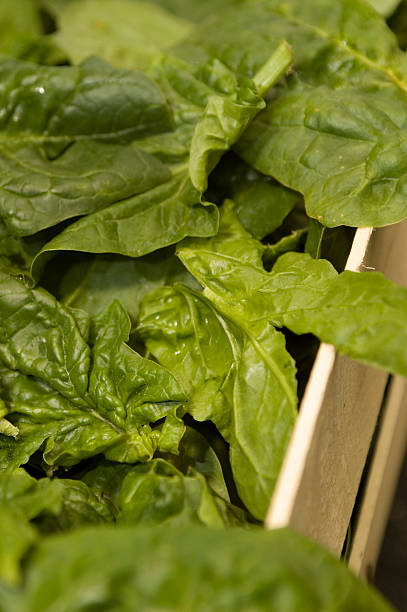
274 68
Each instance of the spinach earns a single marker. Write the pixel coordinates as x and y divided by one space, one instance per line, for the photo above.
234 570
306 295
238 376
179 185
75 385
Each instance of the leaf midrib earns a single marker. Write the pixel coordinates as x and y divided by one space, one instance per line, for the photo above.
345 47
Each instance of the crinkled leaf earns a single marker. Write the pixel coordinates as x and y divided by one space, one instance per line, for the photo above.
80 505
79 399
59 129
238 376
336 131
228 114
157 493
93 283
191 568
363 315
126 33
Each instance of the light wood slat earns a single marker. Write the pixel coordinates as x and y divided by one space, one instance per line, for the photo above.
319 480
381 484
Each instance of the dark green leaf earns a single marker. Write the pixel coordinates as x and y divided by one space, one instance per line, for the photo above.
79 399
336 131
261 204
46 110
142 224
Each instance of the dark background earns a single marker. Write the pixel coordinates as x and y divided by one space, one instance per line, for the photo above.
391 571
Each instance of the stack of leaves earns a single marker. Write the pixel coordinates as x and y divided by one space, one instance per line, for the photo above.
179 187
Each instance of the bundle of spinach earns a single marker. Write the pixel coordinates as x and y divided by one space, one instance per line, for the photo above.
179 186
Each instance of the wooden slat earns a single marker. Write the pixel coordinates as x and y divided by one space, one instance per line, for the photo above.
381 483
321 473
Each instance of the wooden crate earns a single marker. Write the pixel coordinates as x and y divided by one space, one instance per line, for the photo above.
320 477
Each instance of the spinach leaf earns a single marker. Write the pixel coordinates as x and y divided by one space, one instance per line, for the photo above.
335 132
127 33
79 399
19 23
55 130
156 493
238 376
362 314
92 283
261 203
22 498
141 224
227 116
232 570
174 209
385 7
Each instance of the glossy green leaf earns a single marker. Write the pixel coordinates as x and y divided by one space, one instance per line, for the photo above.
335 132
363 315
142 224
74 398
93 283
157 493
127 33
191 569
228 114
238 376
58 151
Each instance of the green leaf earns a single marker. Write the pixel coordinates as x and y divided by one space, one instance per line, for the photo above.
261 203
157 493
291 242
336 131
127 33
65 128
74 398
93 283
19 23
22 498
333 244
16 539
142 224
363 315
238 376
191 568
226 116
384 7
80 505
